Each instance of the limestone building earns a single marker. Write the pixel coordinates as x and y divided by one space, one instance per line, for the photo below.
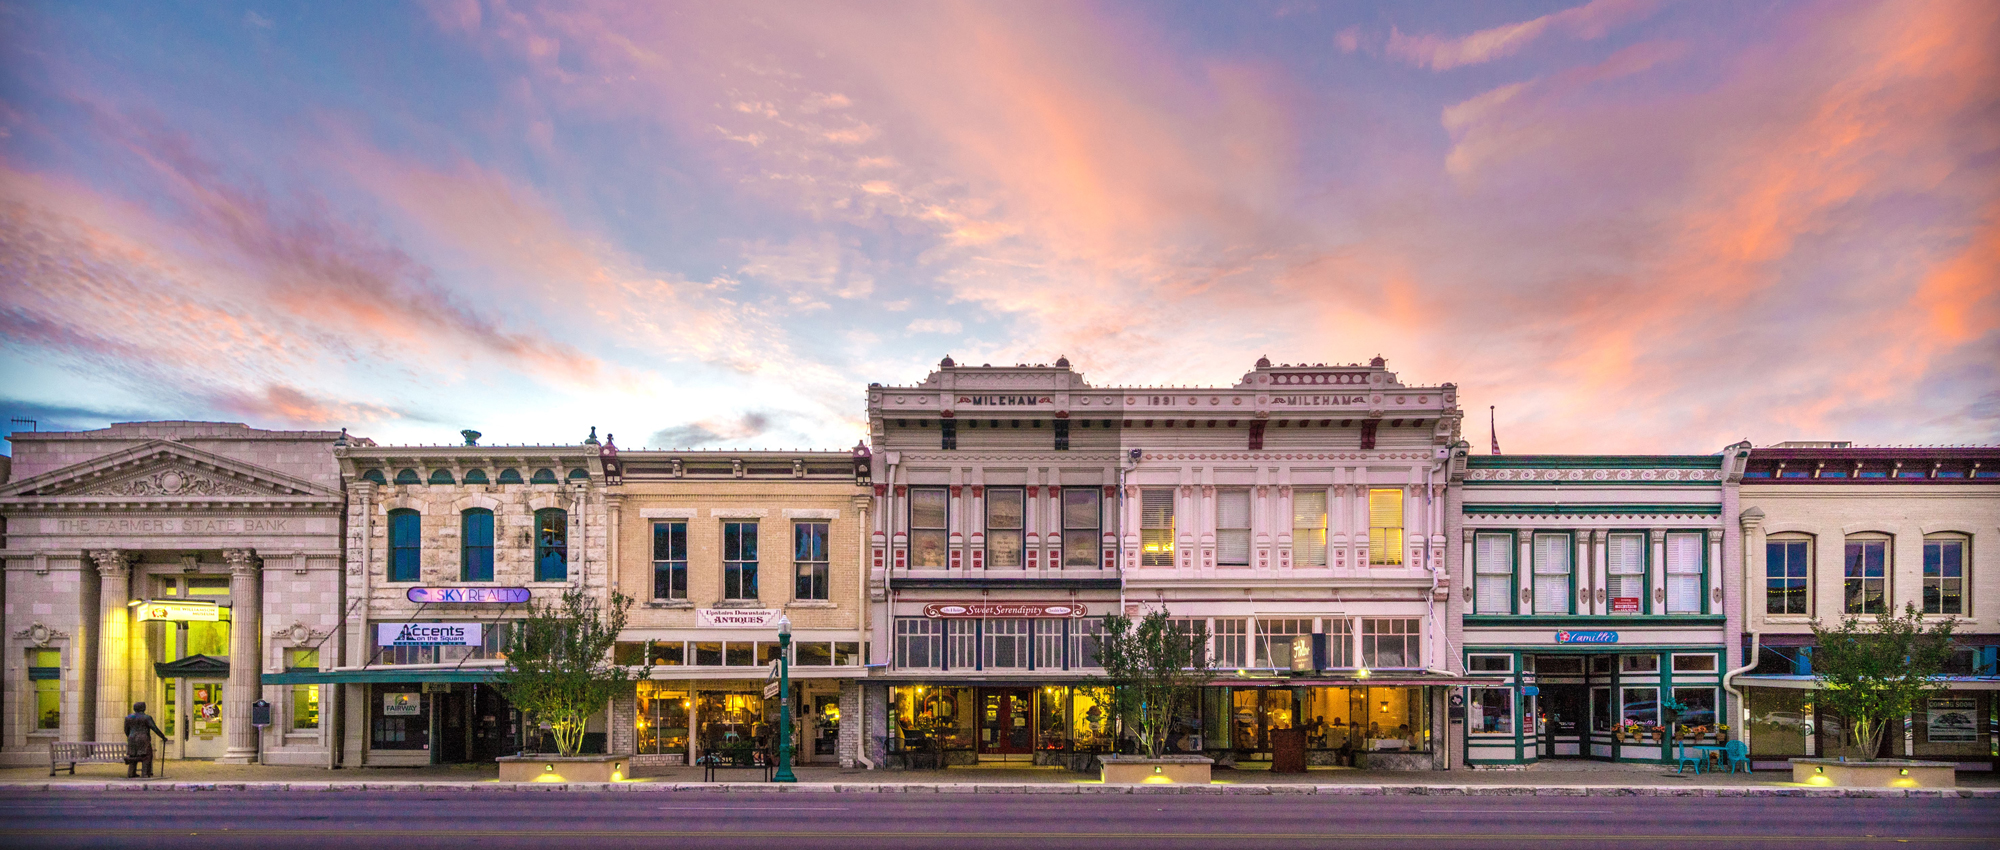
1834 530
173 563
1301 516
717 547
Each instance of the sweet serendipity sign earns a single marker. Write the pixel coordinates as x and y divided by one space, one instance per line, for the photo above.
1567 636
736 618
969 610
468 595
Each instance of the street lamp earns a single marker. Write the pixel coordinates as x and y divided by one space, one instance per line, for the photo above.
784 773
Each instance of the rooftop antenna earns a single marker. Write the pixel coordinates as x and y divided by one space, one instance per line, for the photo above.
32 424
1493 429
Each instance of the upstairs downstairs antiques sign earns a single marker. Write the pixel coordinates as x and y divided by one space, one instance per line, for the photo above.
736 618
1567 636
389 635
468 595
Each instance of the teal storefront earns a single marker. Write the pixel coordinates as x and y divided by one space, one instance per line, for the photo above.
1585 695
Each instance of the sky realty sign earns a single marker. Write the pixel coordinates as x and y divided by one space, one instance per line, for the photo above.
426 634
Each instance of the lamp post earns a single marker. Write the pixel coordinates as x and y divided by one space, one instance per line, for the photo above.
784 773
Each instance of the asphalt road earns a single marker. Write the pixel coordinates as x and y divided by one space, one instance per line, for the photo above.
694 819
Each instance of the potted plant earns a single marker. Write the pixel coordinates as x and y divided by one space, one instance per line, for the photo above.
1722 733
1874 677
560 671
1153 672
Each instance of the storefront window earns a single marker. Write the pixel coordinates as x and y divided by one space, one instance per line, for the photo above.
1698 707
399 718
1492 709
305 698
1641 707
732 721
45 670
1955 723
1274 641
1781 720
1091 727
662 719
926 713
1600 709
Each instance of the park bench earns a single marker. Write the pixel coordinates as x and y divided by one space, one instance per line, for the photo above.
73 753
714 760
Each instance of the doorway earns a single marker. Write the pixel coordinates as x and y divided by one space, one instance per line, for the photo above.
1563 709
825 728
1006 724
202 736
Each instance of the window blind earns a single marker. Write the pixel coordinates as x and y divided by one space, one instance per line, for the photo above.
1625 558
1385 527
1156 527
1309 528
1684 573
1493 567
1551 573
1232 527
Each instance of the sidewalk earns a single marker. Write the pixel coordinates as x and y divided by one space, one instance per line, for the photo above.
1566 778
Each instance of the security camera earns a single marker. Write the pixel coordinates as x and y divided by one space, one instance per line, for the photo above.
1135 454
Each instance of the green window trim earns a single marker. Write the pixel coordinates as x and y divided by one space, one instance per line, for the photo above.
475 551
405 548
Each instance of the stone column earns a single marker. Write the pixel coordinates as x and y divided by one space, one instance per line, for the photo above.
114 641
246 667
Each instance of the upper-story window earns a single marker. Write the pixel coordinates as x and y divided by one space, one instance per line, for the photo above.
551 544
1686 577
1944 575
809 560
1082 518
670 561
1385 527
1006 527
405 545
1787 576
1493 574
1552 574
739 560
1309 528
543 476
1275 639
1865 581
1232 528
929 526
1156 527
1625 568
475 562
1390 643
1232 639
408 476
442 476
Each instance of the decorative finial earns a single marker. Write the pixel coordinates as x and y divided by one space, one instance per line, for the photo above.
1062 361
593 436
946 363
342 439
1263 362
1378 362
471 436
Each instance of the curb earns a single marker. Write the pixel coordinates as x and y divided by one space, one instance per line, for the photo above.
1237 789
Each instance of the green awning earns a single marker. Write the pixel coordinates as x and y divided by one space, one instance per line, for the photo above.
388 675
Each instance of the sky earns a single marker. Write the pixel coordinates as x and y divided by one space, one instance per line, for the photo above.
1629 226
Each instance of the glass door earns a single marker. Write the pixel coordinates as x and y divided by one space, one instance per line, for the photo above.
1564 707
204 738
1006 722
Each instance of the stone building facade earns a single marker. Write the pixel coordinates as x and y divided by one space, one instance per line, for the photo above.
241 527
460 536
717 547
1834 530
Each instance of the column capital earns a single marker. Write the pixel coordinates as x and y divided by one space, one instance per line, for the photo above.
1659 535
242 561
1752 519
112 561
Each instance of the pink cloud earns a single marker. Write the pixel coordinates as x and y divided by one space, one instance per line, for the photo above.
1589 21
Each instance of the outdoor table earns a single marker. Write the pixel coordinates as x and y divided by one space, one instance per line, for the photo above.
1707 751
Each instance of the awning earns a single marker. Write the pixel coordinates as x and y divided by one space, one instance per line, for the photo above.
387 675
1766 680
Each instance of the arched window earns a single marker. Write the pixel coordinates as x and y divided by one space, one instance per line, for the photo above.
405 544
579 475
476 476
551 544
476 545
408 476
510 475
441 476
375 475
543 476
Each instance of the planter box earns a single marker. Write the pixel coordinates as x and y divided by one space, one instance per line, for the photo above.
1139 770
565 768
1880 773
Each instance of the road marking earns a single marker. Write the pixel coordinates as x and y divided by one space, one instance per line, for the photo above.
753 808
1313 837
1503 811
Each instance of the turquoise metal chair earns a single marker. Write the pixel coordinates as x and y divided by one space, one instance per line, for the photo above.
1737 754
1684 760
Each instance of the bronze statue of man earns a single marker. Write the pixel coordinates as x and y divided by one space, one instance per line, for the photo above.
139 732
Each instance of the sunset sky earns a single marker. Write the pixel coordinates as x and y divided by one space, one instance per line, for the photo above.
1632 226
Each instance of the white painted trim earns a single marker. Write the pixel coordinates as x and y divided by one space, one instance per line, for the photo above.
668 513
812 513
1946 528
1868 527
739 513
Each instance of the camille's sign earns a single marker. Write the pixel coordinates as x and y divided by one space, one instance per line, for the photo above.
427 634
736 618
179 611
449 595
964 610
1567 636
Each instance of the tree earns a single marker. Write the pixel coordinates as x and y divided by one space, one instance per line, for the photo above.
559 665
1153 672
1873 676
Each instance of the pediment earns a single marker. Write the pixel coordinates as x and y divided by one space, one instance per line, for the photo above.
166 471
